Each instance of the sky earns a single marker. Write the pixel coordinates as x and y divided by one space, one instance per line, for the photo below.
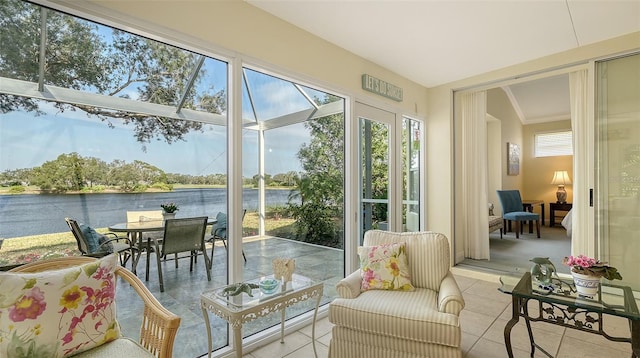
28 141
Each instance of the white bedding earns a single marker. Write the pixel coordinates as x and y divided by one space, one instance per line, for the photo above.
566 222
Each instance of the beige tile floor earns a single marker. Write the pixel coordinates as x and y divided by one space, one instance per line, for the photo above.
483 319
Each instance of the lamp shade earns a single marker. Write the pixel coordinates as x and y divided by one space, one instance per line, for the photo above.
561 177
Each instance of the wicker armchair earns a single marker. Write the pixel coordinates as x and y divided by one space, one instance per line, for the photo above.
159 325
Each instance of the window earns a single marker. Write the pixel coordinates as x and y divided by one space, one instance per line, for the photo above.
554 144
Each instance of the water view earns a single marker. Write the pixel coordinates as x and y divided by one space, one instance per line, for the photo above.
24 215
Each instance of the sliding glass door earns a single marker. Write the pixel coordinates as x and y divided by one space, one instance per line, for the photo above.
618 164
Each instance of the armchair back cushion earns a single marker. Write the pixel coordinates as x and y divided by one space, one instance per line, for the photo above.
58 313
428 259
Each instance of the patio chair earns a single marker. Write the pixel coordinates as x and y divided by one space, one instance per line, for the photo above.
511 202
182 235
93 244
219 232
158 328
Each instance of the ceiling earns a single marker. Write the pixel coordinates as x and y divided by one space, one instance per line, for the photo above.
434 42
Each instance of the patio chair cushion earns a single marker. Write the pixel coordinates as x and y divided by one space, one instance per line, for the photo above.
385 267
95 239
220 226
58 313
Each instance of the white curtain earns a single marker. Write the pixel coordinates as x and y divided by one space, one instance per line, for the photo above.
475 217
578 89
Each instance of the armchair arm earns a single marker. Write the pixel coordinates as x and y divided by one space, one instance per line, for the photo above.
349 287
159 325
450 298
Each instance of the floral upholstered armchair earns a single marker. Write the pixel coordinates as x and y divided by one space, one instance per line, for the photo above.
403 302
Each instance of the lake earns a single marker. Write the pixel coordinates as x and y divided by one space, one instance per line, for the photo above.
33 214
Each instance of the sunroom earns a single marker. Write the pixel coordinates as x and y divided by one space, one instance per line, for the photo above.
97 121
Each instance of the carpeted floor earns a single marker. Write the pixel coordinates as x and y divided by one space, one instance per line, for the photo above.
512 255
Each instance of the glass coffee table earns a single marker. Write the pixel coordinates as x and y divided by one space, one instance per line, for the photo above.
560 304
237 310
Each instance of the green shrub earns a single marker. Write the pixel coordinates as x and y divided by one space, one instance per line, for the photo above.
139 188
16 189
162 186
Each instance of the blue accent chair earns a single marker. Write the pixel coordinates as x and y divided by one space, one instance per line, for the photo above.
512 211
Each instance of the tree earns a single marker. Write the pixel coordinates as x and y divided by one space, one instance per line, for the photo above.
319 189
79 57
62 174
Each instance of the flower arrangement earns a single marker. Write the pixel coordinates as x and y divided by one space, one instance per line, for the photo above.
589 266
169 207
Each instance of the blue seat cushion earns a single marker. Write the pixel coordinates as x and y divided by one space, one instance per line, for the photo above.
95 239
521 216
220 226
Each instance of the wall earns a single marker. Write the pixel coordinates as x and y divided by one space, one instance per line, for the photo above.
537 186
494 162
499 106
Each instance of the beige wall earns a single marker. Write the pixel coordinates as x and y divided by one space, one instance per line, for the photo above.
536 185
499 106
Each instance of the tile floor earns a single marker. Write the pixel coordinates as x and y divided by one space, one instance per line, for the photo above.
483 319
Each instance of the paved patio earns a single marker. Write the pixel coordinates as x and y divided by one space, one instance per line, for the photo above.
183 288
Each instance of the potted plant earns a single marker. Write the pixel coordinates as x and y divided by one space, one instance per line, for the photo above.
587 271
169 210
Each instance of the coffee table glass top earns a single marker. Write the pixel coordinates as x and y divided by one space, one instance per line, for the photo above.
243 300
612 299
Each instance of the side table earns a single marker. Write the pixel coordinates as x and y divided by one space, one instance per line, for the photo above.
553 207
563 307
237 310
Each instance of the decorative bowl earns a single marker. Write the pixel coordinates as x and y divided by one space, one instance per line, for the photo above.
269 285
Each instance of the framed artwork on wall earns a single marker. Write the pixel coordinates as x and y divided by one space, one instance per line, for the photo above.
513 159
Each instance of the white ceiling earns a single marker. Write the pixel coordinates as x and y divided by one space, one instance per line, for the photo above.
434 42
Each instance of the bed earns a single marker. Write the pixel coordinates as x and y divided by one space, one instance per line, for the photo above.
566 222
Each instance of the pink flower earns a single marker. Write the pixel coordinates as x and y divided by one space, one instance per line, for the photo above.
29 306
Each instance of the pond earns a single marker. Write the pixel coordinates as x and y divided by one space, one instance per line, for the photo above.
33 214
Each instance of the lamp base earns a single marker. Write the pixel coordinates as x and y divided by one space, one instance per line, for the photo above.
561 194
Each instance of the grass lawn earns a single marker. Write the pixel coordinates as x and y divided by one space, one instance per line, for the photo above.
37 247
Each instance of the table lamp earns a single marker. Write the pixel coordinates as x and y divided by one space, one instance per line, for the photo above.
560 178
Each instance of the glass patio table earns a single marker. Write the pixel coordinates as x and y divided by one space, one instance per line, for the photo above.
242 308
559 304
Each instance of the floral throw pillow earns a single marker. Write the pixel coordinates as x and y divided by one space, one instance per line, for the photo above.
58 313
385 267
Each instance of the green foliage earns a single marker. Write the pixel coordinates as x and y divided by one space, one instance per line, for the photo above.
315 223
16 189
139 188
162 186
319 190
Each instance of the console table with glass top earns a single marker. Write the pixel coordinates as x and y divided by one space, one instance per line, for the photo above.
561 306
237 310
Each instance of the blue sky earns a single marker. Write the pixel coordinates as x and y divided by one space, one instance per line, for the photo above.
28 141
